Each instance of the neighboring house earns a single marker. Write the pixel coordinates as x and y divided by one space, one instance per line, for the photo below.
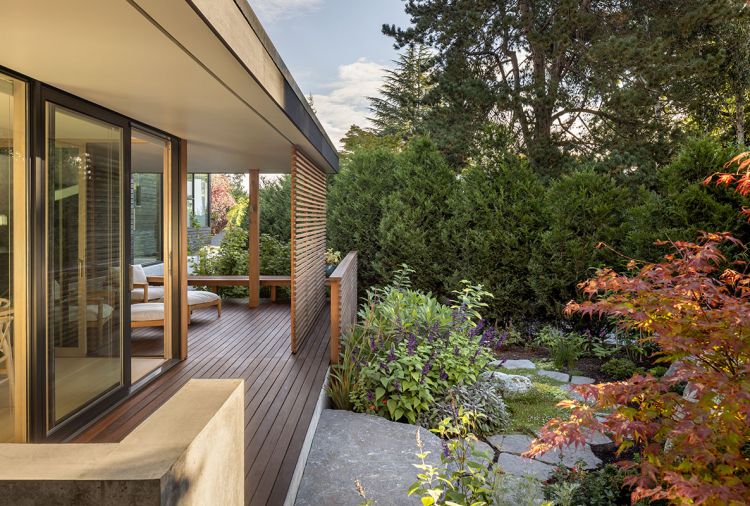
112 115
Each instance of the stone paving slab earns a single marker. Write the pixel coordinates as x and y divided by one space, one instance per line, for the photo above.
378 452
581 380
519 466
513 364
555 375
519 443
511 443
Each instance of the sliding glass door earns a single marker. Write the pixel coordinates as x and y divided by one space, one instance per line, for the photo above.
13 260
85 299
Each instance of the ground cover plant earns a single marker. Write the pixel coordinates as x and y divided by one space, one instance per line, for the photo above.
693 446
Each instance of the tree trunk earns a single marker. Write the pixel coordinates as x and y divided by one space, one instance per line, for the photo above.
739 118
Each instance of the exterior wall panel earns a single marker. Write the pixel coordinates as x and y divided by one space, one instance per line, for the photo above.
308 245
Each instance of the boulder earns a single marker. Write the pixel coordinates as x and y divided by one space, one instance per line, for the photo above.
509 384
379 453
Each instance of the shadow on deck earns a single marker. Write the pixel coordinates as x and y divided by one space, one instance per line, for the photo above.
281 389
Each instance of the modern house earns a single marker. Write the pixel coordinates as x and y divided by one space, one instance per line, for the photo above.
112 113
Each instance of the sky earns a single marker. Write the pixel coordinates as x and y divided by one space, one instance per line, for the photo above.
335 51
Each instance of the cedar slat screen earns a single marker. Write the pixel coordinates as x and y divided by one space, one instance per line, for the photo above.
308 245
343 301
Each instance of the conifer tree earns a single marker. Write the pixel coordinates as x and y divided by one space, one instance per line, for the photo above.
401 108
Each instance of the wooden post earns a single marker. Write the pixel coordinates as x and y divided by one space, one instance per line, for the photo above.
253 235
335 320
182 269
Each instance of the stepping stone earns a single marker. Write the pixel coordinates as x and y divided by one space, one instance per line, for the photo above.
573 394
509 384
598 438
581 380
511 443
571 455
555 375
513 364
378 452
519 443
519 466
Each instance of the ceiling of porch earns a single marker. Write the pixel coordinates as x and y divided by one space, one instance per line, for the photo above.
160 63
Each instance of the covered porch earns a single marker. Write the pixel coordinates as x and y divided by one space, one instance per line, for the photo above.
281 388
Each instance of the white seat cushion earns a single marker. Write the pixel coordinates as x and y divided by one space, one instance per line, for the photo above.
137 274
147 312
200 297
154 293
92 312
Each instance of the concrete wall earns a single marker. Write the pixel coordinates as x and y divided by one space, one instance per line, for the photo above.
189 452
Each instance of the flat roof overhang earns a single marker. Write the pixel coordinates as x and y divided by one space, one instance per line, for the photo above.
195 69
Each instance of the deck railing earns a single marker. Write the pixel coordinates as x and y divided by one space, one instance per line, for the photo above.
343 283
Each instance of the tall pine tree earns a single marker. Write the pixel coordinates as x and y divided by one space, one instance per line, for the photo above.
401 108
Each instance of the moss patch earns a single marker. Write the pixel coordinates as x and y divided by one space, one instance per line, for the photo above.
532 410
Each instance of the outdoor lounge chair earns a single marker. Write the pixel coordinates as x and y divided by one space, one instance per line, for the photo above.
200 300
147 314
141 291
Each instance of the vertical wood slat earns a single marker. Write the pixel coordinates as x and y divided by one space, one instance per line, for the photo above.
343 301
308 246
253 249
183 271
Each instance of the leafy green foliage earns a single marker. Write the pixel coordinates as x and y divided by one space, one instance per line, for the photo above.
619 368
463 477
230 258
356 208
495 224
584 209
414 216
600 487
409 349
275 198
483 397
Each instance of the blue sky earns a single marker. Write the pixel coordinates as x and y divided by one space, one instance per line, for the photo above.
335 50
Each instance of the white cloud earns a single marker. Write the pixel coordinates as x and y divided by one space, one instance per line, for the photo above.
346 103
275 10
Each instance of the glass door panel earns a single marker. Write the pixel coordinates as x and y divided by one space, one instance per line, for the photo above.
149 199
13 252
84 258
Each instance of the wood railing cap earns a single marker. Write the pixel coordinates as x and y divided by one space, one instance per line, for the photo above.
343 266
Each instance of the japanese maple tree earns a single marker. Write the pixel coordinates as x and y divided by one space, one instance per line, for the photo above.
694 446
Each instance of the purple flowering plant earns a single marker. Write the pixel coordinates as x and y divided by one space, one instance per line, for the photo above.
410 348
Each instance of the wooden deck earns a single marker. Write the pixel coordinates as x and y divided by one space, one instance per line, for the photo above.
281 389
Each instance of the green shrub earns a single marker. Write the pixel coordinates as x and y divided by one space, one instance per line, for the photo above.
495 224
414 221
483 397
355 208
658 371
619 368
230 258
411 349
566 351
600 487
582 210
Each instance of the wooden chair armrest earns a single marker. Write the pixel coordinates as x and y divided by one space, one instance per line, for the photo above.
145 290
